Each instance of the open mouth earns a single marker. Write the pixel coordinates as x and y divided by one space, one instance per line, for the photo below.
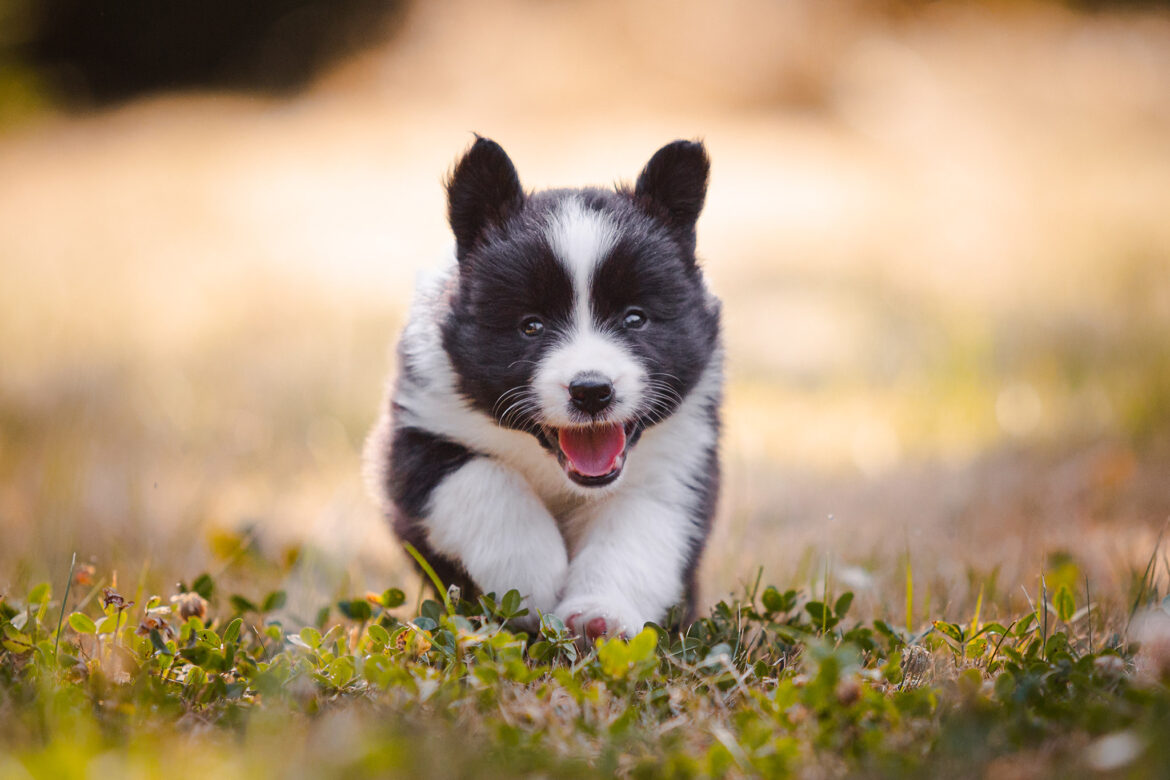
593 455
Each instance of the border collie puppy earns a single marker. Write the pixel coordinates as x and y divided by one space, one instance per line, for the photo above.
554 423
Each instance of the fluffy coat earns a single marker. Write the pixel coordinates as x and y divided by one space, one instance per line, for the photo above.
554 423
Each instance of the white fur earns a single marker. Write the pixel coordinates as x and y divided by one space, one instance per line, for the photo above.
628 548
431 402
581 240
486 516
588 352
514 518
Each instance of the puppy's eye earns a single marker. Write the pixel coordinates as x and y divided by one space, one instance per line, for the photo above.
532 327
634 319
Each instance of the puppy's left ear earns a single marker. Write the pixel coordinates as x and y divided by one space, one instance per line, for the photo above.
674 185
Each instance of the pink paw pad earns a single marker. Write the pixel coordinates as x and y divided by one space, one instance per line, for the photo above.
595 628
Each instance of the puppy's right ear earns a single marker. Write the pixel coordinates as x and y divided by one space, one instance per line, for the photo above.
674 185
482 191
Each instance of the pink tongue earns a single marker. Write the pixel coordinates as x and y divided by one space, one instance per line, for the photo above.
593 451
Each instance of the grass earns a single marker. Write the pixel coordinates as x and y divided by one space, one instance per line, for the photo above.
776 682
960 240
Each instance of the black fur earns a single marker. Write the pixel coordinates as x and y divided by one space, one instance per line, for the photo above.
682 329
421 461
482 192
674 183
508 273
516 275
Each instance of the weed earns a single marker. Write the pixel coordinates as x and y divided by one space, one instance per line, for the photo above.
775 683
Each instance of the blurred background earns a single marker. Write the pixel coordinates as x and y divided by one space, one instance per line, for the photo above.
941 232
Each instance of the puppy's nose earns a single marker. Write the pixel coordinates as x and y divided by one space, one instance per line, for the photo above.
590 393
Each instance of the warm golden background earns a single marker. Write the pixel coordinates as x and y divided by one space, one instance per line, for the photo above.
941 232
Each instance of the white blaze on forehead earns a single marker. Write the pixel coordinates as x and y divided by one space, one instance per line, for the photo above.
580 238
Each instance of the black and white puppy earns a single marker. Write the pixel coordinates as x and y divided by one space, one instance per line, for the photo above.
554 423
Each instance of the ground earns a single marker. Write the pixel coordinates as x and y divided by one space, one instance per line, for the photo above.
941 243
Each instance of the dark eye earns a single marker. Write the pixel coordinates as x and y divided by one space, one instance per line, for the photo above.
532 327
635 319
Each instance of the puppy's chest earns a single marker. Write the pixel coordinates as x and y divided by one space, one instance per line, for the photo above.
570 508
545 479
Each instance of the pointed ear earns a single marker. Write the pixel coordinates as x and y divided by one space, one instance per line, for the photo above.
674 184
483 190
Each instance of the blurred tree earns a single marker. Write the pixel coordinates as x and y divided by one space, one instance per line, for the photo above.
98 51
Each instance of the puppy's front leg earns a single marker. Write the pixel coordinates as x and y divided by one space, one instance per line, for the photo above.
485 516
629 565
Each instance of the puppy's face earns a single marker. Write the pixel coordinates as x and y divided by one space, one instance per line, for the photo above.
580 315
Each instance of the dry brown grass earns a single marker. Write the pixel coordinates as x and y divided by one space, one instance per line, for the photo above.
941 239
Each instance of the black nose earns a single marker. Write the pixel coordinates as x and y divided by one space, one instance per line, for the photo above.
590 393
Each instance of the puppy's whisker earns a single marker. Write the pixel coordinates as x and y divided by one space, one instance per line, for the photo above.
657 389
519 414
665 397
516 409
504 396
661 382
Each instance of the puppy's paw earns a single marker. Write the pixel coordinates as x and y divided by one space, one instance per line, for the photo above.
592 617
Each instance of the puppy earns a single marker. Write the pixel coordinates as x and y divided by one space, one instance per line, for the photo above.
554 423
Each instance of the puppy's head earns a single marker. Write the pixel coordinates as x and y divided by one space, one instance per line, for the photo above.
580 316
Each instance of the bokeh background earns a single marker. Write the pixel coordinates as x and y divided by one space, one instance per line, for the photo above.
941 232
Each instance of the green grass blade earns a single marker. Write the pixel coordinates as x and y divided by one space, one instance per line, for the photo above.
64 605
978 609
909 596
426 567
